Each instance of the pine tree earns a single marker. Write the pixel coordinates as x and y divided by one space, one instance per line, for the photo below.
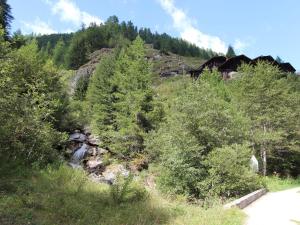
279 60
230 52
134 99
77 53
5 17
100 99
59 52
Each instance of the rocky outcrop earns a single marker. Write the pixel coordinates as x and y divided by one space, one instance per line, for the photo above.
84 153
87 69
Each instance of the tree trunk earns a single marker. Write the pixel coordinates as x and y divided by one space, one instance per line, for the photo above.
264 160
264 154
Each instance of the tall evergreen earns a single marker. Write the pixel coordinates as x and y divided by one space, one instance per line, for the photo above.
77 52
5 17
59 52
100 99
133 98
230 52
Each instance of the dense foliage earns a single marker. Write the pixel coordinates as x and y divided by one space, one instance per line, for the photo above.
271 100
122 100
31 99
201 120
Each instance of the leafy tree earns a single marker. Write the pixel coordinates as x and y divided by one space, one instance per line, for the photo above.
230 52
200 120
5 17
31 96
271 100
229 173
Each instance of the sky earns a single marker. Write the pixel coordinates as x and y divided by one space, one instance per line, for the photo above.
253 28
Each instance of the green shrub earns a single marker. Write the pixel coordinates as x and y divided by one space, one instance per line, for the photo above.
124 189
229 172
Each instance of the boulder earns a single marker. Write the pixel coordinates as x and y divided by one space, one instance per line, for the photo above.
112 171
102 151
95 166
78 137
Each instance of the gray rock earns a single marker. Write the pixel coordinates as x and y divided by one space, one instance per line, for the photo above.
79 137
102 151
92 164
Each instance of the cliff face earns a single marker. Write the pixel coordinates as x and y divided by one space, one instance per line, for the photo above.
87 69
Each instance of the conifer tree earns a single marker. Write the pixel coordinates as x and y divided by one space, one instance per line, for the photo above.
230 52
58 53
5 17
134 99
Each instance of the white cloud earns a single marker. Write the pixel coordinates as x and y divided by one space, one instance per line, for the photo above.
38 27
239 45
189 32
70 12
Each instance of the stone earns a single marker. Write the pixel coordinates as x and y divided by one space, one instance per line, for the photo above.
79 137
91 164
102 151
112 171
93 140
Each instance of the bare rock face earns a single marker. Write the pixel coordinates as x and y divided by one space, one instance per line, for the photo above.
87 69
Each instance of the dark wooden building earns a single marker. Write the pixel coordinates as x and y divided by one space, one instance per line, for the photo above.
232 64
228 67
214 62
267 58
287 67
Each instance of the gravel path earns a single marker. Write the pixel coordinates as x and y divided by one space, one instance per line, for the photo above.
275 208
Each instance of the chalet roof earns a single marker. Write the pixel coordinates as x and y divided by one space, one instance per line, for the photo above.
266 58
213 62
210 64
287 67
233 63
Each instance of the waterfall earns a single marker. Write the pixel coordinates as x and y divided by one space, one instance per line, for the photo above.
79 153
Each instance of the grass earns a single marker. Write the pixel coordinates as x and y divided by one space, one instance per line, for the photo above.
274 183
65 196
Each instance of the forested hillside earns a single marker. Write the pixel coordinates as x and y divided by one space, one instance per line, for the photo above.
111 34
128 146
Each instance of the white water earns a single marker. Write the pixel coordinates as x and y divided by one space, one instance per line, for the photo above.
79 153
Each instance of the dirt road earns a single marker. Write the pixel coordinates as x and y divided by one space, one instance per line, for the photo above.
275 208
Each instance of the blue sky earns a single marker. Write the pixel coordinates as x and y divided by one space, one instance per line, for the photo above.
253 27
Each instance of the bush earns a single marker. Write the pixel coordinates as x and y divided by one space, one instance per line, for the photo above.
126 190
200 120
229 172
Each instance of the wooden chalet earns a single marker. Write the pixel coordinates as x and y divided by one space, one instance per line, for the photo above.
287 67
267 58
232 64
229 66
214 62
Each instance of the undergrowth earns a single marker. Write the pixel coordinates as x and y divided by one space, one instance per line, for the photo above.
61 195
